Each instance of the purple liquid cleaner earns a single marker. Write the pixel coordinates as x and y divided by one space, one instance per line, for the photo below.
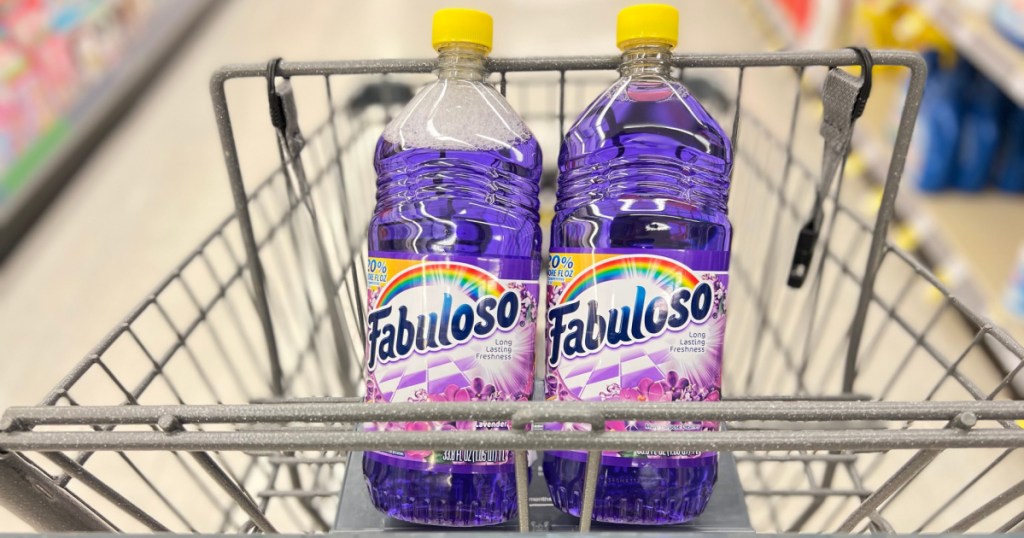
454 248
637 279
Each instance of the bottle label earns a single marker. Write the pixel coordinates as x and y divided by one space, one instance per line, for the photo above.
449 328
636 327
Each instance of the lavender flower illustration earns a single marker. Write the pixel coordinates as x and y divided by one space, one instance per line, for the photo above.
373 393
718 287
527 303
611 392
647 390
555 292
372 294
555 390
676 384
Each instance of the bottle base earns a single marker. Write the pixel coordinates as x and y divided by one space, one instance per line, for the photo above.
440 497
643 495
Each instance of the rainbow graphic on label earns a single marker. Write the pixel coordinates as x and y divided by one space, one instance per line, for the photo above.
644 327
475 282
440 329
665 273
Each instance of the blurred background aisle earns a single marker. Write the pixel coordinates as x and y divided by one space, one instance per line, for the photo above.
961 202
156 184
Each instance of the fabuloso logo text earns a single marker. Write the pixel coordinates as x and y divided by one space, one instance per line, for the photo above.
670 299
397 329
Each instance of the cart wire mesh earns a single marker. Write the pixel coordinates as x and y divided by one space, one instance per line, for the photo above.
228 399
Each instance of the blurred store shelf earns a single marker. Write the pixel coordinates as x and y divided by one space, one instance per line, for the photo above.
109 82
952 232
954 235
978 41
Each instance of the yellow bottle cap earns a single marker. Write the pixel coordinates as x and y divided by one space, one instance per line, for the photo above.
648 23
456 25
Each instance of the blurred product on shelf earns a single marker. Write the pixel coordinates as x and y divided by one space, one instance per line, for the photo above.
966 138
981 121
1008 18
798 14
969 135
807 24
932 157
1010 167
1015 291
879 22
53 56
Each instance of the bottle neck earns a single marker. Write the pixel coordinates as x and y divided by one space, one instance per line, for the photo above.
461 61
646 59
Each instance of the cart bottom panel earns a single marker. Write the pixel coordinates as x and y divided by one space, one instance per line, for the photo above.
726 512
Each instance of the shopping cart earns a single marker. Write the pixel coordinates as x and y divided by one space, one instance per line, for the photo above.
863 400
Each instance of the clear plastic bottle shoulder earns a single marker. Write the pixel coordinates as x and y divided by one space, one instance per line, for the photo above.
652 117
458 172
645 166
457 114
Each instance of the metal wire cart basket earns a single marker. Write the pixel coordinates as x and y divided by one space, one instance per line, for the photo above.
862 397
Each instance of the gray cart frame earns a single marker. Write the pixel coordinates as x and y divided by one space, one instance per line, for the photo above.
239 373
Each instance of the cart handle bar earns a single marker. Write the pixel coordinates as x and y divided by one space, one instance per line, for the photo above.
836 58
319 439
22 418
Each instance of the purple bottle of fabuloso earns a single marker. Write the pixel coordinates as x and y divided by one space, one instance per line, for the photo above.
454 248
638 276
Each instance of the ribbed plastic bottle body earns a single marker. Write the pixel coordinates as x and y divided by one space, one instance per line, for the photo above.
639 248
646 167
454 248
